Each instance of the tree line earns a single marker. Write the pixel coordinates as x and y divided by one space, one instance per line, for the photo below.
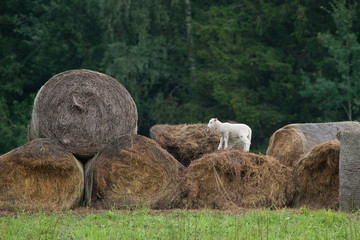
266 63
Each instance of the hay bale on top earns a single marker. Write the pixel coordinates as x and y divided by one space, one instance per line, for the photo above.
84 110
134 171
317 177
186 142
291 142
232 177
40 174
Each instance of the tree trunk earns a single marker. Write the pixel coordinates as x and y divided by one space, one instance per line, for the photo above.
189 35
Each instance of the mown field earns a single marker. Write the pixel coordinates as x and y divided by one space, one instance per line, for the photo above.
180 224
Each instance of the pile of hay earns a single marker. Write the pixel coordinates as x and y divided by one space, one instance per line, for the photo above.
317 177
131 172
349 171
40 174
291 142
231 177
84 110
186 142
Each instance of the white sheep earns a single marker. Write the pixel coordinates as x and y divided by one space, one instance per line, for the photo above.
237 133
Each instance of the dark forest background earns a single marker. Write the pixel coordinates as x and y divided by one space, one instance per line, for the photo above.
266 63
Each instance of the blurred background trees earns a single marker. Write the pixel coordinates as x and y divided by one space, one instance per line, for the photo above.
263 63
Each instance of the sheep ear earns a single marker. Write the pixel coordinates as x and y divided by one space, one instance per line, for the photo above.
215 119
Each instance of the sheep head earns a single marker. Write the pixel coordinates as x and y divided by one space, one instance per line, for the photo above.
212 123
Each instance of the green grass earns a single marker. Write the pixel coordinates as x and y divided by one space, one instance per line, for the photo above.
143 224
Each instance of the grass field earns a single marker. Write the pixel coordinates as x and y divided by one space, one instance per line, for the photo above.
179 224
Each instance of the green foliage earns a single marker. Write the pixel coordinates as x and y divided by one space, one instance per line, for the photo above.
262 63
142 224
40 39
248 65
142 52
336 88
13 128
14 97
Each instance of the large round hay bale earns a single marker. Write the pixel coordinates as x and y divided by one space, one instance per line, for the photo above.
186 142
84 110
291 142
232 177
317 177
134 171
349 171
40 174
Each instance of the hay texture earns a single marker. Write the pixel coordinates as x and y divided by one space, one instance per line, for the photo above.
186 142
84 110
291 142
232 177
317 177
134 171
40 174
349 171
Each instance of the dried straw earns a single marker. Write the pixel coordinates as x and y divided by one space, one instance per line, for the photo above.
291 142
40 174
231 177
134 171
186 142
317 177
84 110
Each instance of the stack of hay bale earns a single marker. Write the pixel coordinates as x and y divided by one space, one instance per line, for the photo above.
86 119
312 150
300 168
223 178
83 148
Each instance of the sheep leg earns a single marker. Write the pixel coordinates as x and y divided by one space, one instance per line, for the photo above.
221 142
247 146
245 142
226 139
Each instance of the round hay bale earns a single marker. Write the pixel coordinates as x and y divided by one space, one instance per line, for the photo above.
232 177
349 171
40 174
84 110
317 177
291 142
134 171
186 142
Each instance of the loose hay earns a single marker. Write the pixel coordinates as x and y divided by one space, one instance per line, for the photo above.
317 177
231 177
40 174
84 110
291 142
134 171
186 142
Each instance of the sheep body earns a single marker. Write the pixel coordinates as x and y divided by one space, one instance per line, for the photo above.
237 133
